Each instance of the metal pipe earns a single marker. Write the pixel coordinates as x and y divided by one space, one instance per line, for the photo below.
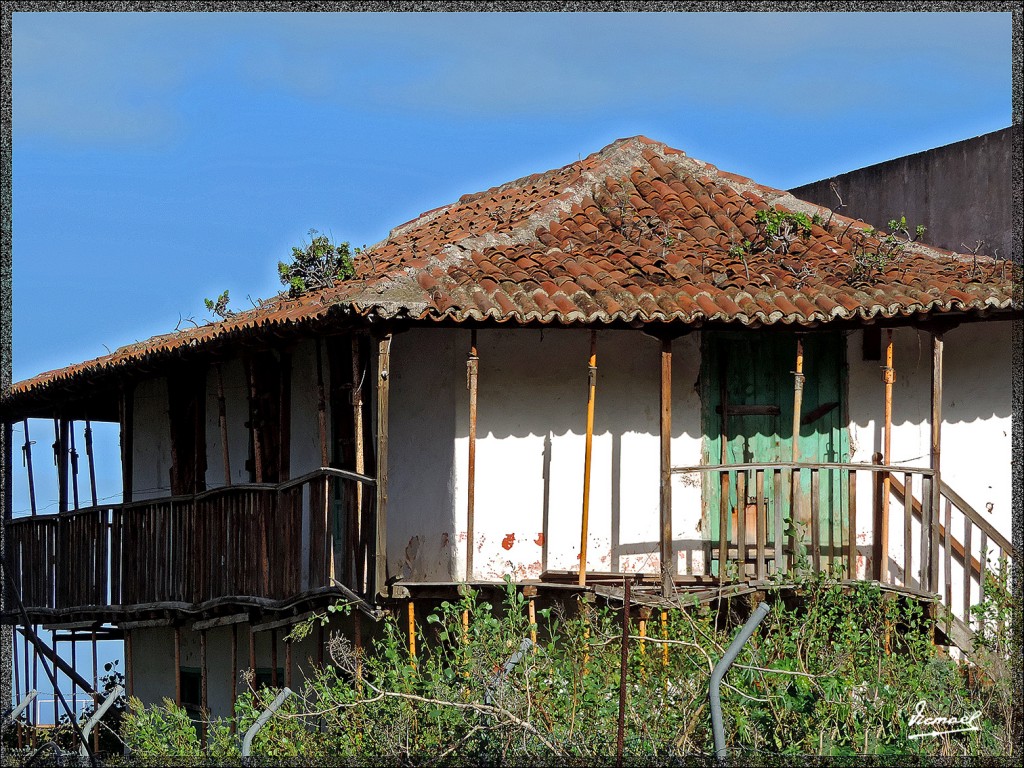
16 712
714 693
261 721
472 372
588 454
96 716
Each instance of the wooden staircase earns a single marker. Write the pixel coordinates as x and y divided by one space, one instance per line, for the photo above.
964 564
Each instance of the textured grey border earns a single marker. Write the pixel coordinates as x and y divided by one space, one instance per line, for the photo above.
1017 8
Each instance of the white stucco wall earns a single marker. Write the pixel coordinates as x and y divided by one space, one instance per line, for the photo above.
530 452
975 436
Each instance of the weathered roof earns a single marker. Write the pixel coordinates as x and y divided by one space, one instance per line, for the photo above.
635 233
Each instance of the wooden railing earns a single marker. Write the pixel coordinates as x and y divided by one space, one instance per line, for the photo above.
968 547
266 541
785 513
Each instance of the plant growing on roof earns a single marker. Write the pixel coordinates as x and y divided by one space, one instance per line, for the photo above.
871 259
219 306
320 264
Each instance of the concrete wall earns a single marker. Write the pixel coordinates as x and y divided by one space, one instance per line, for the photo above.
960 192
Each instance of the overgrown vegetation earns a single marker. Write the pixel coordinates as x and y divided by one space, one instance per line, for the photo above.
842 671
320 264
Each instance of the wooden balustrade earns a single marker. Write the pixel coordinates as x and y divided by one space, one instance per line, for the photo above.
771 517
267 541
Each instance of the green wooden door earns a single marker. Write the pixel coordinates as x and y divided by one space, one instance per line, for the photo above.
752 372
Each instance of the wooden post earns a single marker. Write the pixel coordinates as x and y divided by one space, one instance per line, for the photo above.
252 650
287 664
274 681
73 459
798 510
472 371
31 477
358 374
234 675
204 677
321 405
412 633
255 419
723 476
91 459
588 455
929 529
60 447
177 666
127 443
95 663
222 419
129 662
383 396
668 564
889 378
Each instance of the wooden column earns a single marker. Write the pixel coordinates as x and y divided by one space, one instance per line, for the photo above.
222 419
127 444
358 373
60 447
129 662
91 460
254 422
588 456
798 509
383 396
472 372
889 378
234 674
668 564
931 532
177 666
204 677
31 476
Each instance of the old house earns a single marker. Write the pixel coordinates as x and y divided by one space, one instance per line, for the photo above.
635 364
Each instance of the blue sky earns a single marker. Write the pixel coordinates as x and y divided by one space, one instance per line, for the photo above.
159 159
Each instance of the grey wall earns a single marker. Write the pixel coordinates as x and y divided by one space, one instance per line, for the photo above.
960 192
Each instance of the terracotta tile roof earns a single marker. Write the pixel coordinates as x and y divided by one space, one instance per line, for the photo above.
635 233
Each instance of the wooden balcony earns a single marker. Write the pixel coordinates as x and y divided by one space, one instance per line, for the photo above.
258 543
266 544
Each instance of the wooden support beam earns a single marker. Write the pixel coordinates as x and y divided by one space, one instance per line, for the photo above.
929 528
321 405
472 372
233 682
204 678
127 442
220 621
668 564
177 666
222 420
73 461
274 680
252 650
588 456
882 547
358 436
91 460
50 655
27 449
60 447
383 398
129 663
798 509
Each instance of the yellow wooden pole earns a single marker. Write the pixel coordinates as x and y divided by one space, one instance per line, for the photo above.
592 391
